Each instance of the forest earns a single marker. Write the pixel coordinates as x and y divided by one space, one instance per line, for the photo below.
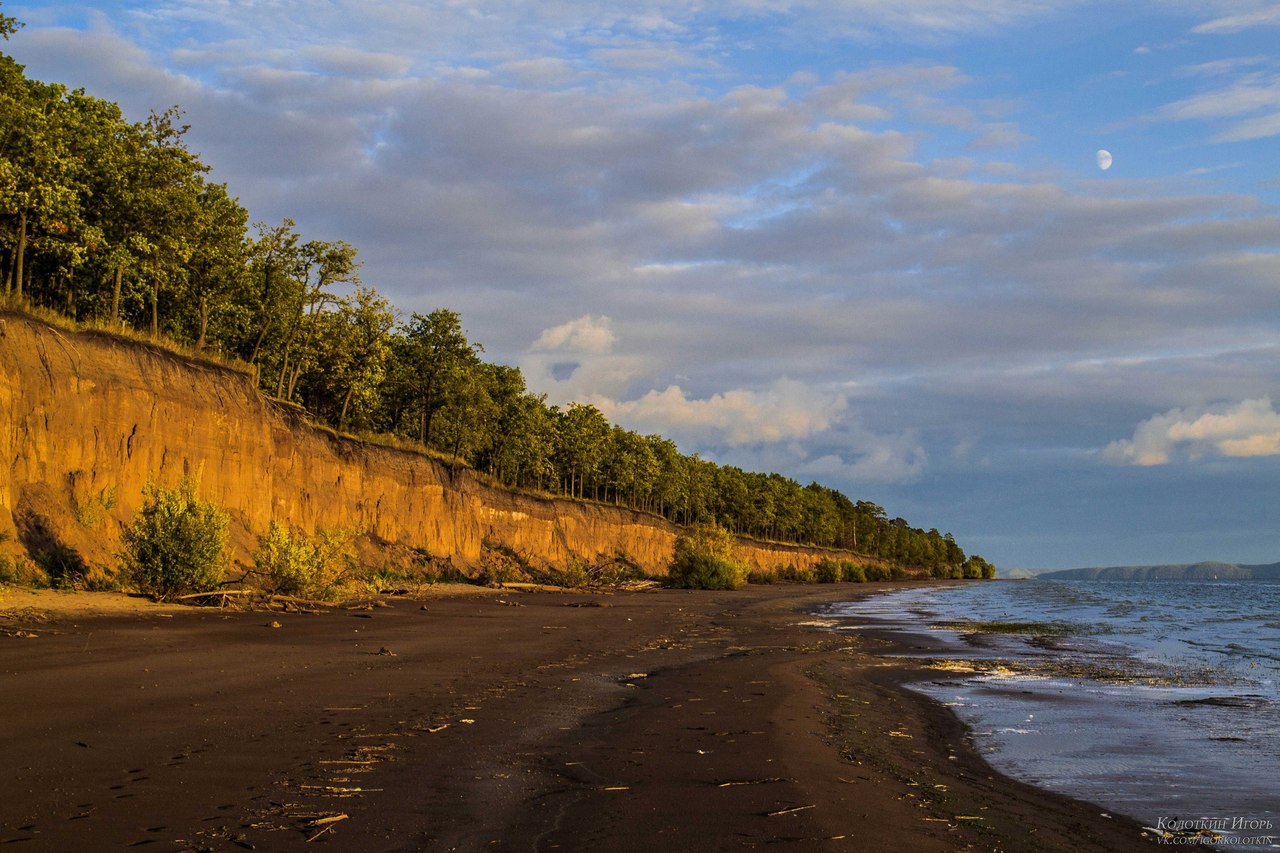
117 224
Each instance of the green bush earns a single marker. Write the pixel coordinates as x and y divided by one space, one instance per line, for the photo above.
828 571
293 563
851 572
706 558
176 543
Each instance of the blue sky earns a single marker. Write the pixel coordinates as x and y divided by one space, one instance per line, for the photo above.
859 241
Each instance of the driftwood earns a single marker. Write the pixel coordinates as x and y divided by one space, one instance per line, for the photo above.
269 598
790 811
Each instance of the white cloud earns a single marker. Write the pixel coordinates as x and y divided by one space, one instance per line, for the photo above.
1251 103
1267 16
586 334
1249 428
787 410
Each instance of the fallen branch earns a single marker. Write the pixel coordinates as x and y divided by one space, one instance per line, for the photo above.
321 821
751 782
790 811
253 593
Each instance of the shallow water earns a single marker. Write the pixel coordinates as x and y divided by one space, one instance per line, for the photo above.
1155 699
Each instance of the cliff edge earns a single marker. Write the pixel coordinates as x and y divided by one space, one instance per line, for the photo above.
87 419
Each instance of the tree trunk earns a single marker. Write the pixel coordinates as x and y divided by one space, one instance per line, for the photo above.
204 322
21 252
115 295
257 345
346 401
284 365
293 378
155 306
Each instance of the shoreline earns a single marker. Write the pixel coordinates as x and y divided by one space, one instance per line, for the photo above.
510 720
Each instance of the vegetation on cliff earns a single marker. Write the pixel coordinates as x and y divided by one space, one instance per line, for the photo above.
177 544
706 558
115 223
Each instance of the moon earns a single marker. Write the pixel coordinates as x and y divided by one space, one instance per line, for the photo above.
1104 159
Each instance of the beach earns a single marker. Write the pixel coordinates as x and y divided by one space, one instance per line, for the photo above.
496 719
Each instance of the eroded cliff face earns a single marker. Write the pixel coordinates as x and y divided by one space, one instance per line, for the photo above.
88 419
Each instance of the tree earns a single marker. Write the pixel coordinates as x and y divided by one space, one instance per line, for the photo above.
275 268
36 191
431 365
321 266
583 438
218 258
9 26
344 376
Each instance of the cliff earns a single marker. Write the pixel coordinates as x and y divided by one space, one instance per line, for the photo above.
87 419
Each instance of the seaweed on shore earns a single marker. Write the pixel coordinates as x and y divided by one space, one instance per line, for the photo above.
1034 629
1071 669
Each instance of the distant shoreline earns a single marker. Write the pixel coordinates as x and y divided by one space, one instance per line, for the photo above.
1205 570
505 719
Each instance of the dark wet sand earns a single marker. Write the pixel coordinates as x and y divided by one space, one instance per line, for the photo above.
649 721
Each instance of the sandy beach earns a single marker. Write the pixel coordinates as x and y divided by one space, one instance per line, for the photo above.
495 720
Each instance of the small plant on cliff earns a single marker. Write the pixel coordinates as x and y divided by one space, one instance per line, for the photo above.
176 543
706 558
88 507
293 563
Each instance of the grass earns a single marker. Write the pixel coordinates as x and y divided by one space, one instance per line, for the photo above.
97 327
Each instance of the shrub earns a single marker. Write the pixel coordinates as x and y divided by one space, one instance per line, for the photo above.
21 571
293 563
851 572
62 567
828 571
10 571
91 509
706 558
176 543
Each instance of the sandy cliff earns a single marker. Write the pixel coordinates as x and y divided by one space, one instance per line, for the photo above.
88 419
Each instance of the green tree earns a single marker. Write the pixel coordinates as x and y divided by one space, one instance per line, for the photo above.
669 487
37 196
582 440
430 365
357 346
218 260
9 26
275 266
321 265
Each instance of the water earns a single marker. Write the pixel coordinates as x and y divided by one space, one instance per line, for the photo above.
1155 699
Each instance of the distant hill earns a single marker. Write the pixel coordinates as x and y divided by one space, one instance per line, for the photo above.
1208 570
1019 574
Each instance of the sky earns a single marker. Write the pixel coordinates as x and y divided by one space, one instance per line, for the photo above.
863 242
